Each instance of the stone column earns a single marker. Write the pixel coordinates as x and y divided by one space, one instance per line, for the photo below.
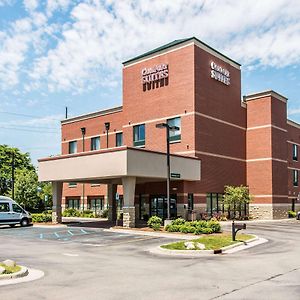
111 199
128 208
57 188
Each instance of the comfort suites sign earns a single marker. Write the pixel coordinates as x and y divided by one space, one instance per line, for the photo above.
155 73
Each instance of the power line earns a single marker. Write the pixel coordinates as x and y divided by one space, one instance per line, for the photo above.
29 130
25 115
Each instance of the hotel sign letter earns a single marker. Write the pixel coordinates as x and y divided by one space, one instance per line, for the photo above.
220 74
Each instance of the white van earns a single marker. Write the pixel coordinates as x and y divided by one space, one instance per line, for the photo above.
11 213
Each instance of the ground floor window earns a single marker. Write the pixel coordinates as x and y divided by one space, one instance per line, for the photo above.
73 203
95 203
119 202
190 202
214 204
158 206
144 214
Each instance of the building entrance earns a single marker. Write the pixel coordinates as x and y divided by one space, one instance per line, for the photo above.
158 206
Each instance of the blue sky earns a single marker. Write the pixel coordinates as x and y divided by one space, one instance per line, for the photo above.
57 53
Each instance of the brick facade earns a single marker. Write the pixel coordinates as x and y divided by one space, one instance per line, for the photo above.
245 141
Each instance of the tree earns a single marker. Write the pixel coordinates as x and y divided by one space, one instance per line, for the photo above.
236 198
21 162
26 185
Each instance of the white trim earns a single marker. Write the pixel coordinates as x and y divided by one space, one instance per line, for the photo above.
294 143
266 126
159 119
266 158
219 120
253 205
92 136
180 46
293 123
291 168
265 94
220 156
92 115
268 196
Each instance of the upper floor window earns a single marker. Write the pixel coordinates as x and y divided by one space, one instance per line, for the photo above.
72 184
119 139
295 177
139 135
175 135
95 143
295 152
73 147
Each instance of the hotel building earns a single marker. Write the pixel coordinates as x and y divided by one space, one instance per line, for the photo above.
116 157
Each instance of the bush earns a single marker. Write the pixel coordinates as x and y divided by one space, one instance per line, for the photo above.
154 222
104 213
187 228
214 225
203 230
41 218
179 221
71 212
87 214
173 228
292 214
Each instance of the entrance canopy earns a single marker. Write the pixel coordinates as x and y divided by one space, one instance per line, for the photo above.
110 165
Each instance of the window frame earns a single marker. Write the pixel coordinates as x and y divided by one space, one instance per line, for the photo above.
175 136
73 143
118 134
295 152
139 142
95 138
295 178
5 204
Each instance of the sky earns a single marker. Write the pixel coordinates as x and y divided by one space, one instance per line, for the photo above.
58 53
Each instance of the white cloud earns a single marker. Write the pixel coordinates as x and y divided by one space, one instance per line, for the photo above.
88 46
31 5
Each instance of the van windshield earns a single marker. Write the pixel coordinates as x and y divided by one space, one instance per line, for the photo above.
17 208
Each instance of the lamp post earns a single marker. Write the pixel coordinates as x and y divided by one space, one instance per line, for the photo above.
168 129
107 126
83 131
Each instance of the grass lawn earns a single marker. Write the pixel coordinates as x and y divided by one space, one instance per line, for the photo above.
211 241
10 270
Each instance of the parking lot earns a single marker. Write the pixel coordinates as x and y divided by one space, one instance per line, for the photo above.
92 263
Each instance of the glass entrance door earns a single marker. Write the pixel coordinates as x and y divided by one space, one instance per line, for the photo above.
158 206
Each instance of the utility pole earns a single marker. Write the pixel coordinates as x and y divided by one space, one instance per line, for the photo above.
13 175
66 112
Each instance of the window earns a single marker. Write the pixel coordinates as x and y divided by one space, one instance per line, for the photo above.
119 139
214 203
16 208
95 143
295 177
175 135
73 203
295 152
139 135
72 184
4 207
96 203
190 201
72 147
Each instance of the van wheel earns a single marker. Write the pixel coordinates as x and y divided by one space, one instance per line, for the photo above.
24 222
12 225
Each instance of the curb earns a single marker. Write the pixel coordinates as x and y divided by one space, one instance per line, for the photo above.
198 253
23 272
32 274
154 234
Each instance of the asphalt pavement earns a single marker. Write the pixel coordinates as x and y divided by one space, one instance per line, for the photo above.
90 263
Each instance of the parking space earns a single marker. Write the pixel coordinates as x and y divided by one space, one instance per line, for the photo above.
63 234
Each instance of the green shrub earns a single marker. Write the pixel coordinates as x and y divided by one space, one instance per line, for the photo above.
203 230
104 213
292 214
87 214
154 222
187 229
173 228
41 218
214 225
71 212
179 221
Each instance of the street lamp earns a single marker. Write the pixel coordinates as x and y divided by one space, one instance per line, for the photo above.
168 129
83 131
107 126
